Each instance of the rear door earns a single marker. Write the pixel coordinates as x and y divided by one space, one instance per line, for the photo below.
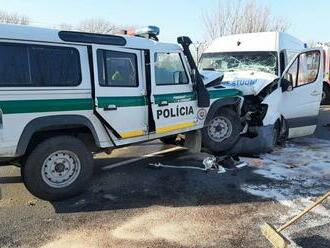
120 94
300 106
174 102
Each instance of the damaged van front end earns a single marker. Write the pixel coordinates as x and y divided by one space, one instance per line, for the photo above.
277 107
261 91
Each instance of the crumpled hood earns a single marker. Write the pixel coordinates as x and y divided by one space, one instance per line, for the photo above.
210 76
249 82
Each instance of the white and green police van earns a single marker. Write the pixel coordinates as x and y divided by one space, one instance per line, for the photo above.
67 95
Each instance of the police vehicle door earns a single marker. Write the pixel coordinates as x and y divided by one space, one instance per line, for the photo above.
174 103
120 95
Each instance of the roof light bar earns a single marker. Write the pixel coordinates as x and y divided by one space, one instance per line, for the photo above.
149 32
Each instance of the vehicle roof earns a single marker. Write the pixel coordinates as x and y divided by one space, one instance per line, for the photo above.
263 41
38 34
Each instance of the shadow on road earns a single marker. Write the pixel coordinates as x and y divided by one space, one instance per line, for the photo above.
9 180
313 241
139 185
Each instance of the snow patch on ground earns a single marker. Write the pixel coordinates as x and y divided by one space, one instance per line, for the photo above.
299 170
298 173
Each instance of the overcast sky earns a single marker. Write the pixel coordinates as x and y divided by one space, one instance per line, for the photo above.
309 19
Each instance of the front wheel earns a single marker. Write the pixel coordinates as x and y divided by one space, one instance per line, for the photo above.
58 168
222 130
325 94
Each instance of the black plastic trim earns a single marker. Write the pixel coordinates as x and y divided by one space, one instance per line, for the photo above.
81 37
234 101
57 122
302 121
151 120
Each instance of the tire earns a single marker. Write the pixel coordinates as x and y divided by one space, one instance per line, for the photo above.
325 94
58 168
218 141
283 134
276 135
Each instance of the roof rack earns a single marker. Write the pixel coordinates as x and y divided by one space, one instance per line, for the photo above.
81 37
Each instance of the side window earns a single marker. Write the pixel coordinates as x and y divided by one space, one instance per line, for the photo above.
117 69
309 64
291 74
55 66
169 69
14 66
38 66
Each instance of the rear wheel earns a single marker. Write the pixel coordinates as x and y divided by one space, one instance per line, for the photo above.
222 130
58 168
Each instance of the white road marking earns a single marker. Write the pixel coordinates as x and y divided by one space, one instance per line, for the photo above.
133 160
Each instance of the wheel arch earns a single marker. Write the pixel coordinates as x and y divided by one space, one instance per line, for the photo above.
233 102
54 124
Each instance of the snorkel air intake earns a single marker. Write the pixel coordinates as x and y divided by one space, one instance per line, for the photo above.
203 97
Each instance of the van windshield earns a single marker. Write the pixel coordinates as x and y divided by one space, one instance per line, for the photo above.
240 61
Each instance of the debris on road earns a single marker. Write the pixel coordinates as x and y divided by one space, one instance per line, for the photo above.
211 163
32 203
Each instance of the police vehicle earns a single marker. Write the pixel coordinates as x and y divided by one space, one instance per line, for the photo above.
66 95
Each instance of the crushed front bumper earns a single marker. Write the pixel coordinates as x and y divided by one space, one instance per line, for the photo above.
262 143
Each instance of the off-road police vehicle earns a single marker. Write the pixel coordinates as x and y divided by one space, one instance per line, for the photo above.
66 95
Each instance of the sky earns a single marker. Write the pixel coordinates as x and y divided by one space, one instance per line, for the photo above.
308 19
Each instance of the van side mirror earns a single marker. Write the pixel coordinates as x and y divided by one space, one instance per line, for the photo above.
286 85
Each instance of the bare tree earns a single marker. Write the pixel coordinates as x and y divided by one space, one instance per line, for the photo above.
13 18
237 16
97 25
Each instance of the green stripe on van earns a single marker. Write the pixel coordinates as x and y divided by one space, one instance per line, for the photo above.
54 105
47 105
191 96
124 101
223 93
176 97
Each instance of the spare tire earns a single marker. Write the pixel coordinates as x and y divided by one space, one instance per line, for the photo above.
222 130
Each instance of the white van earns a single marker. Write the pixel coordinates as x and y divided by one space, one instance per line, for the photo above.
280 101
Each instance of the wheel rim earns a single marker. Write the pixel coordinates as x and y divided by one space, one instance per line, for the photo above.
60 169
220 128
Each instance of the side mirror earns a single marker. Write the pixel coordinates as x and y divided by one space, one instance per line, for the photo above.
286 85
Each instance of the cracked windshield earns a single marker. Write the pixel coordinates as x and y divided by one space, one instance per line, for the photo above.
240 61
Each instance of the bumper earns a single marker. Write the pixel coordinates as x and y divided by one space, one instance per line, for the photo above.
262 143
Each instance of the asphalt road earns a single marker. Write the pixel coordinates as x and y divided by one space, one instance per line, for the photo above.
139 206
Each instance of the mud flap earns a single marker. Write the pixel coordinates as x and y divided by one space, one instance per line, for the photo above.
262 143
193 141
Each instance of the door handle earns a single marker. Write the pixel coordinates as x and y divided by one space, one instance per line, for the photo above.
110 108
163 103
